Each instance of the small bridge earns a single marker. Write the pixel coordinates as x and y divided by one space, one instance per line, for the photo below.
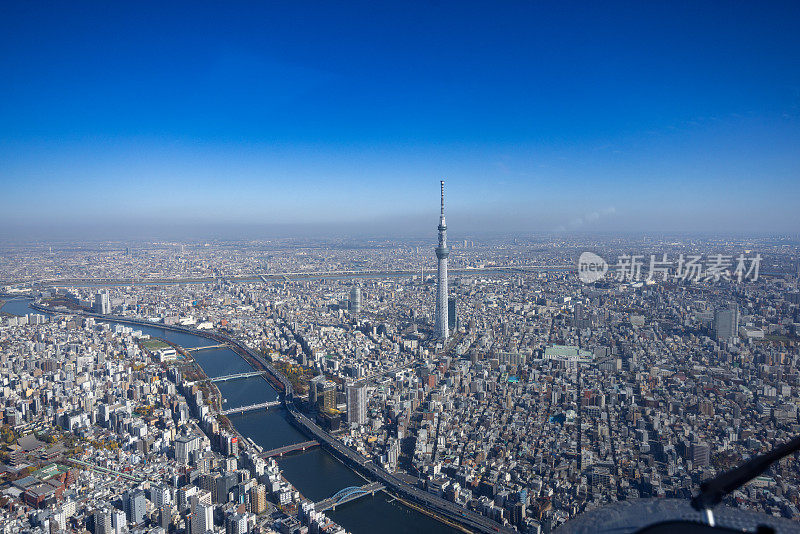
251 407
220 346
236 376
225 378
280 451
346 495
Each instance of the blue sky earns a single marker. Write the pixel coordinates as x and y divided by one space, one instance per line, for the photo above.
541 116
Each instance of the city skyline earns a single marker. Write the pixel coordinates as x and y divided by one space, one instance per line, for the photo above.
557 403
228 303
543 118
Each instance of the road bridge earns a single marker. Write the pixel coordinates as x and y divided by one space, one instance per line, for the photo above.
237 376
251 407
225 378
346 495
219 346
280 451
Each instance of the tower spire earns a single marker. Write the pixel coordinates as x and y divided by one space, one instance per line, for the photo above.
442 185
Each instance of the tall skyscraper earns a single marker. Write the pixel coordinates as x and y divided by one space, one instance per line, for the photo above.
102 303
357 404
355 300
726 323
442 252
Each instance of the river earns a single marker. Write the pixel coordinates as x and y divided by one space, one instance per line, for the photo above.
315 473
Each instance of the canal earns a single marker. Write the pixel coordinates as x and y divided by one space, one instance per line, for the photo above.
315 473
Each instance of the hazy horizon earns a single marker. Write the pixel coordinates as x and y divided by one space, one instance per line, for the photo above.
356 232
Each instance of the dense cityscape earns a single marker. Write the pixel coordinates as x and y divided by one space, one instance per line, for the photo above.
515 392
399 267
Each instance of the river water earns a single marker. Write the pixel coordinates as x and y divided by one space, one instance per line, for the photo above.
315 473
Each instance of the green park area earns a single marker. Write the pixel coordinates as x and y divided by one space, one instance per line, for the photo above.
153 344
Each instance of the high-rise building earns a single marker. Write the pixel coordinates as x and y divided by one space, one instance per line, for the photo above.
258 499
160 495
118 521
102 521
442 252
357 404
164 517
203 518
185 446
313 391
578 315
202 496
135 506
355 300
326 395
102 303
224 486
518 513
701 454
726 323
229 444
235 524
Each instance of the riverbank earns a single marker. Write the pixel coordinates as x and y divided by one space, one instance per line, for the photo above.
435 516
